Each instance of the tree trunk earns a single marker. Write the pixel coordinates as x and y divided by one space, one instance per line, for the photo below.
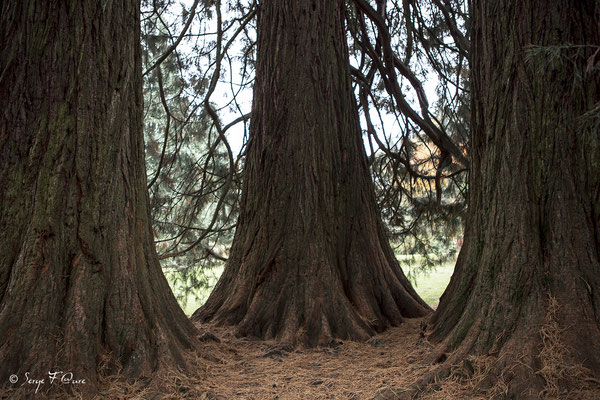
526 288
79 275
310 260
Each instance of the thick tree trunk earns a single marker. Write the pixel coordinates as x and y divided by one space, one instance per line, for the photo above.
79 276
310 260
527 281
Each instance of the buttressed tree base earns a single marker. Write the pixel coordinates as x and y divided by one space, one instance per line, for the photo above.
523 288
79 275
310 259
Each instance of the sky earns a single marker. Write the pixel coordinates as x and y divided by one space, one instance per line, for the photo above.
231 74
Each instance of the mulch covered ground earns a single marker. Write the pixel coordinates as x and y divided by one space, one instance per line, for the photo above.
385 368
345 370
241 368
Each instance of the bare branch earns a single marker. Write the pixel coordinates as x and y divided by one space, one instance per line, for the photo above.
172 48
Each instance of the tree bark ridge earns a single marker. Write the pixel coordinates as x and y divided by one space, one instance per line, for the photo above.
79 275
531 239
310 260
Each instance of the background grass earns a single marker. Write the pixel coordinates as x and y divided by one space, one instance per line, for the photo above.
430 284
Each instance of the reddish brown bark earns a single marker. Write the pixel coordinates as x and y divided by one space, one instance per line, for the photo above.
532 234
79 276
310 260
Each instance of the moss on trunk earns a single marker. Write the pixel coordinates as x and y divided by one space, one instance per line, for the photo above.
531 239
79 275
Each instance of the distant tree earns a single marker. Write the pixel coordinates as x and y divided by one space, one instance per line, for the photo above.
419 165
310 259
526 289
199 61
193 171
79 275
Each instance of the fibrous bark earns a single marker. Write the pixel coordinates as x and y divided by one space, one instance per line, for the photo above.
530 259
79 275
310 260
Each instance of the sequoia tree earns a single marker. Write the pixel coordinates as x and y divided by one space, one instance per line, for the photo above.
526 289
310 260
79 275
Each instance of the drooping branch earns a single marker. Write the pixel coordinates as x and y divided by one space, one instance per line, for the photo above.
172 48
167 127
195 191
388 67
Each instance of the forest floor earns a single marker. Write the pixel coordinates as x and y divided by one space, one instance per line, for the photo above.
387 367
241 368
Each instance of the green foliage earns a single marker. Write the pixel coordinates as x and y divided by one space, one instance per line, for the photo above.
579 60
192 290
193 185
194 177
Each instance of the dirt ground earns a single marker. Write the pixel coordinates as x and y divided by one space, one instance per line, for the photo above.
241 368
345 370
384 368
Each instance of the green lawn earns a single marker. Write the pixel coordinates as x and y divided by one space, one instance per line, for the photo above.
429 284
196 297
193 303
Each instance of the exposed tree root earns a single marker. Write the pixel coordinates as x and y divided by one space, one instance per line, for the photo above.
504 374
557 371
